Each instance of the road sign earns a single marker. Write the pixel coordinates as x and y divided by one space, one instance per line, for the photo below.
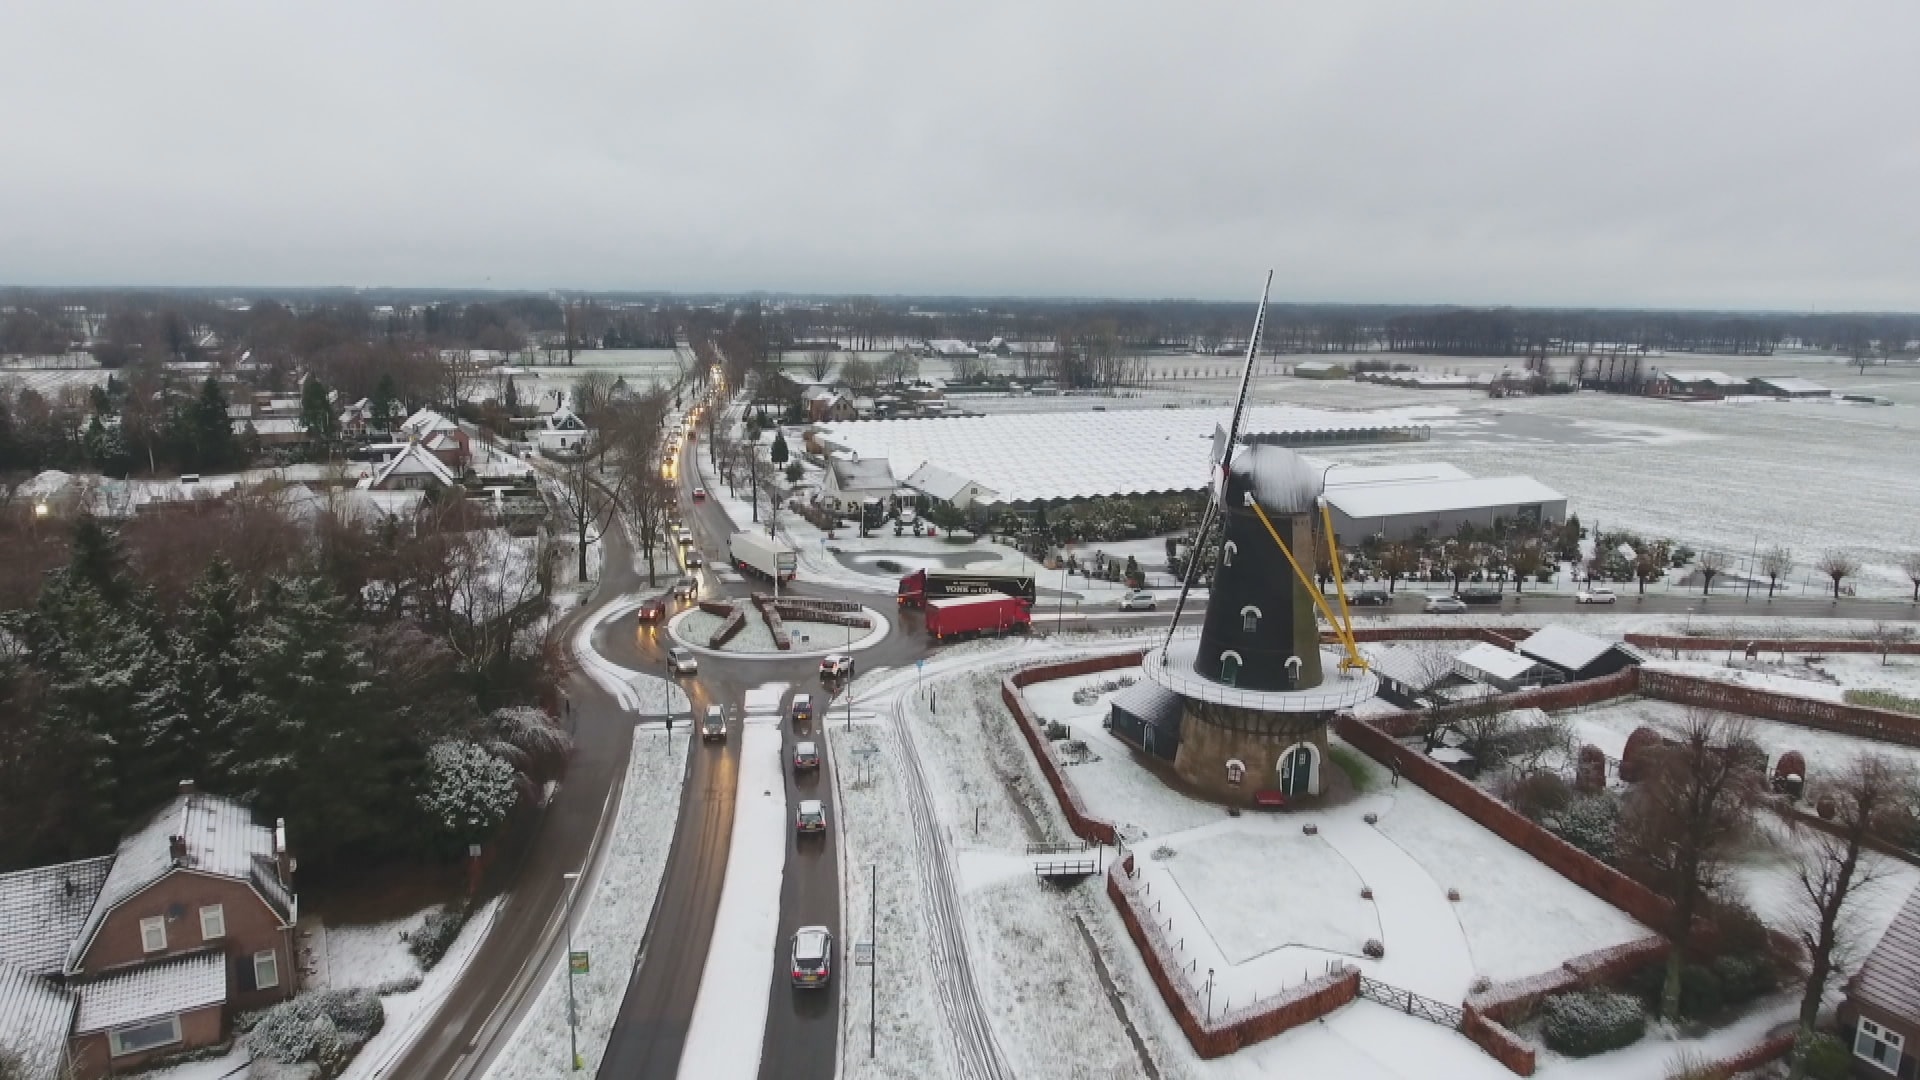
863 954
919 665
577 962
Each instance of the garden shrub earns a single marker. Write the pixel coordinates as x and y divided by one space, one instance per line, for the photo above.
1828 1059
435 935
1589 823
323 1027
1540 795
1700 991
406 984
1592 1022
1744 976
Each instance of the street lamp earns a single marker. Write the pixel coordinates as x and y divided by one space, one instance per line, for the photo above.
572 878
1209 997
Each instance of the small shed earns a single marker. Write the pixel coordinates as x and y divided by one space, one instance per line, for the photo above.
1502 668
1579 656
1788 386
1146 716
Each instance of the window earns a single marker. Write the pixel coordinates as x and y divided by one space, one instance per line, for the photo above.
153 934
1230 668
1878 1045
1226 553
132 1040
266 970
213 922
1249 618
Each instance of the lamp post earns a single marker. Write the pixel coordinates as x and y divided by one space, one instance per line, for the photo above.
572 879
1209 997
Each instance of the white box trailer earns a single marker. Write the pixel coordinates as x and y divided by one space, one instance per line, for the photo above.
764 556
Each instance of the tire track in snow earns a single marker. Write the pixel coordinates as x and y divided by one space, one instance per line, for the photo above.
977 1052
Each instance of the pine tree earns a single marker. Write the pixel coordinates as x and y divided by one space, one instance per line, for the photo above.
213 668
210 430
383 410
316 411
778 454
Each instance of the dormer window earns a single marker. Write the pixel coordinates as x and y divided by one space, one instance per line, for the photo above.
1250 619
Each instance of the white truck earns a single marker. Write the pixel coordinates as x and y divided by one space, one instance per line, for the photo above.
762 555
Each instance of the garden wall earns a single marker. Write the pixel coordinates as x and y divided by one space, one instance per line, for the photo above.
1502 1045
1084 825
1857 720
1513 1000
1563 858
1294 1006
1504 637
1796 645
1771 1050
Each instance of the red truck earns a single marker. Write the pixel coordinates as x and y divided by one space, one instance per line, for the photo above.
959 616
923 585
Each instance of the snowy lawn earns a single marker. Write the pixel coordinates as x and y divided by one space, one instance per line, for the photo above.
1827 678
694 628
611 916
1257 890
1115 787
367 954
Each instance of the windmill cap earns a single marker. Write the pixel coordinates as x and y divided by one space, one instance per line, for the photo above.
1281 480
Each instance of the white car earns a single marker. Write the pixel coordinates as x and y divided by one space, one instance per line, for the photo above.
683 662
1595 596
837 666
1137 600
812 957
810 817
1445 605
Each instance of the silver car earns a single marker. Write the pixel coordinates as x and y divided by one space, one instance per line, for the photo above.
812 957
1445 605
1137 600
682 661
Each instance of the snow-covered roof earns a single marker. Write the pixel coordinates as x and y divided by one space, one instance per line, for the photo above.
191 982
952 347
1495 662
1316 365
1564 648
426 420
933 481
819 392
413 461
48 483
220 837
565 419
1355 476
1149 701
1711 378
1410 665
270 425
35 1018
862 474
1043 457
1890 979
1361 502
43 908
1791 384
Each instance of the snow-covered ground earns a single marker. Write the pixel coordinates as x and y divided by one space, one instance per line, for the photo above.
1826 678
723 1038
611 916
411 1013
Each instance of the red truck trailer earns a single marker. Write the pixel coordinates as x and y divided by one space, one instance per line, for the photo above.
960 616
923 585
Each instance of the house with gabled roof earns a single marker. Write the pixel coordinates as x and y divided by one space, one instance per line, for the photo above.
562 432
1577 655
152 950
412 469
442 437
947 486
1880 1013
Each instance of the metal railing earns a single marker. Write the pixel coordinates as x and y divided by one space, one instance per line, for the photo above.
1426 1008
1058 847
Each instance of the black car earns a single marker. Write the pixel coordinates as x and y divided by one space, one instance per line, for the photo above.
1370 598
1481 595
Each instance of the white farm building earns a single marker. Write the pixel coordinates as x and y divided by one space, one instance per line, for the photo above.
1398 508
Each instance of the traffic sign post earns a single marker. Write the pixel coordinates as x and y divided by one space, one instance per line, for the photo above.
579 962
863 954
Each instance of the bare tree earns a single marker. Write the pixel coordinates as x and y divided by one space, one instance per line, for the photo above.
1838 565
582 507
1526 561
1711 564
1884 636
1832 873
1910 566
591 392
635 432
857 373
819 363
899 366
1682 817
1776 563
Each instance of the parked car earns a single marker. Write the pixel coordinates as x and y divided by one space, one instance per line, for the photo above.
652 611
1370 598
714 727
1136 601
802 709
686 589
810 817
1445 605
682 661
1596 596
812 957
805 756
699 494
837 666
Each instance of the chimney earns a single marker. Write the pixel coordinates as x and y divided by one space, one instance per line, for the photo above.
177 848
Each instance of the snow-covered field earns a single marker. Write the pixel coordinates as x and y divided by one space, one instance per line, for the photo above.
611 917
1826 678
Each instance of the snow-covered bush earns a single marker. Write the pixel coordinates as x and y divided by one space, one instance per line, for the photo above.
469 789
1592 1022
324 1028
435 935
1828 1059
1588 822
405 984
1744 977
1374 948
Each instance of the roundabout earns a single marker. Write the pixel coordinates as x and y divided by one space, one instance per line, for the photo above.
694 627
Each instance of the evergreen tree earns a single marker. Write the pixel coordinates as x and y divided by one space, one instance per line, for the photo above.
211 444
778 453
96 443
316 411
512 396
383 411
213 667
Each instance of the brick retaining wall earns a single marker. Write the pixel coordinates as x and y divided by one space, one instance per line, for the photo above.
1726 1069
1502 1045
1513 1000
1227 1033
1799 645
1857 720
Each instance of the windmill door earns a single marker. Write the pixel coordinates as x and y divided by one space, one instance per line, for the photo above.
1296 771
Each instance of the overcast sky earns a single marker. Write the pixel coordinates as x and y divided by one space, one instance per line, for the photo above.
1686 153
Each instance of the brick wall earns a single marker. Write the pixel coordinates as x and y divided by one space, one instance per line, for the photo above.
1774 645
1857 720
1504 637
1502 1045
1084 825
1514 1000
1568 861
92 1054
1227 1033
1771 1050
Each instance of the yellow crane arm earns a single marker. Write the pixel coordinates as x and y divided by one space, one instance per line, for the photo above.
1313 590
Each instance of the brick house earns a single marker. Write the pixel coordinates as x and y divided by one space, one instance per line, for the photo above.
412 469
442 437
1880 1015
152 950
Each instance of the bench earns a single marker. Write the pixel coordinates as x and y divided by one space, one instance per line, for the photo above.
1270 799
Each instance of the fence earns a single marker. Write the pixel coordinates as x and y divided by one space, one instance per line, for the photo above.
1084 825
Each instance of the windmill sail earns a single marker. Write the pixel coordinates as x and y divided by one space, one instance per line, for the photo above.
1223 441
